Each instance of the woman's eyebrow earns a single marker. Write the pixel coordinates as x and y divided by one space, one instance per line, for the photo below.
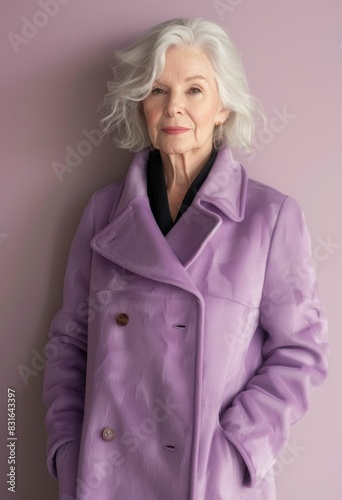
196 77
188 79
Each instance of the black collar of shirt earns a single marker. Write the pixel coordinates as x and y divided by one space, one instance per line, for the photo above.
157 193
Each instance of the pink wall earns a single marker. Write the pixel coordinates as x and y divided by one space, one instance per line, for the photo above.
52 81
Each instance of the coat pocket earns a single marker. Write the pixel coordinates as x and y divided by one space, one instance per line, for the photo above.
238 465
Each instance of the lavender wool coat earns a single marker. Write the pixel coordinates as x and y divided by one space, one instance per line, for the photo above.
178 364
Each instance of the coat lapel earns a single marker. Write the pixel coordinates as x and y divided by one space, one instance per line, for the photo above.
223 195
133 240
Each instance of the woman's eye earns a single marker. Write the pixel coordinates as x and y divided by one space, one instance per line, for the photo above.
157 91
195 90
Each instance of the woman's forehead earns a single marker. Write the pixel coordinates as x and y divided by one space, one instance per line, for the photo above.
186 64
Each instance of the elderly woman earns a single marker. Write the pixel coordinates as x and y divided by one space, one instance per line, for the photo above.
191 334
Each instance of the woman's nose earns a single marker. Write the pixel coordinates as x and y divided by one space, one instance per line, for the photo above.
174 104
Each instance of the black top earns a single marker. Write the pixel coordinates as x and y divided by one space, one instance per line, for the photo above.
157 193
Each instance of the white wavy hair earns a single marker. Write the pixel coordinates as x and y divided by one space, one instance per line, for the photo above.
141 63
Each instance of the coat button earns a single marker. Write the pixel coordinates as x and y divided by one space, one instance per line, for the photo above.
122 319
108 434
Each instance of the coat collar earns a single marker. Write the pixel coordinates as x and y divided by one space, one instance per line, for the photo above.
133 240
224 188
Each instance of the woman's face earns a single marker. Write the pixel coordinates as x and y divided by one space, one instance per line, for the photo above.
184 104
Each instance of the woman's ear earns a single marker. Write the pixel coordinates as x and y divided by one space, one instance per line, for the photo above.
224 114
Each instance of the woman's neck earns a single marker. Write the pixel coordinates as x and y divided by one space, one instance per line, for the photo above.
180 170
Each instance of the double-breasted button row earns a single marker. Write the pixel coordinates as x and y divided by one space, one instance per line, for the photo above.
122 319
108 434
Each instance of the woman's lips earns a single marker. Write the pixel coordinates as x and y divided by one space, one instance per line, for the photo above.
175 130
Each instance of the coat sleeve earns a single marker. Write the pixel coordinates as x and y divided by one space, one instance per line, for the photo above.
65 371
294 353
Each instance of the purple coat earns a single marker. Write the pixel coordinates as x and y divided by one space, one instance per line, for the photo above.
178 364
